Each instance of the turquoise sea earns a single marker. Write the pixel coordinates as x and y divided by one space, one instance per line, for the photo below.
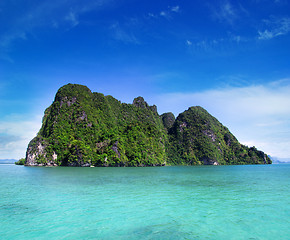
204 202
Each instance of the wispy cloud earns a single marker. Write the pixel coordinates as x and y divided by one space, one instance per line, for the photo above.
167 13
274 27
15 135
152 15
5 43
225 11
188 43
236 38
6 57
164 14
52 14
120 34
219 46
72 18
5 40
281 2
258 114
175 9
208 47
24 24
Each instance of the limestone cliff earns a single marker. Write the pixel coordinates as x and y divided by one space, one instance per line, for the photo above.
82 128
196 137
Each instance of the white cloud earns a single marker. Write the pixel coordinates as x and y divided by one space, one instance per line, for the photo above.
265 35
164 14
274 28
175 9
168 13
257 115
15 134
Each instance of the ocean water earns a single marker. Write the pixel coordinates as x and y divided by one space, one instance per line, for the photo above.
204 202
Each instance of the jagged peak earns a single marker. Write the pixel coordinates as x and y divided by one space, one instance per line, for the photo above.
168 119
82 128
140 102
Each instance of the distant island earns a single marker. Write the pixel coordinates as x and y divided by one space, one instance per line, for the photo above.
83 128
7 161
276 160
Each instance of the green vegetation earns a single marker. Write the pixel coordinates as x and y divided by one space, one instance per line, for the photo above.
82 128
197 138
21 161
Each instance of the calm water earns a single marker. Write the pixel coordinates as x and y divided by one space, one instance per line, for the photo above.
207 202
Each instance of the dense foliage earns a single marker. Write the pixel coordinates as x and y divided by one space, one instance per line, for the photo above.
196 137
21 161
82 128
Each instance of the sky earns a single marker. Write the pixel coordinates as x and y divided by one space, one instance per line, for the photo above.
230 57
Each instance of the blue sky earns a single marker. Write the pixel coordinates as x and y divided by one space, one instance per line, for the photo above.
230 57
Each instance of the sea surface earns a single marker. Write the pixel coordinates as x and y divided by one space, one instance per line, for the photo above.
204 202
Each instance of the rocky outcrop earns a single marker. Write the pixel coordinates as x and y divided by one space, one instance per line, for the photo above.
168 119
140 102
37 154
84 129
196 137
115 149
208 161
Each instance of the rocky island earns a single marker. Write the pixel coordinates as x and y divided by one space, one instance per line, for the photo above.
84 128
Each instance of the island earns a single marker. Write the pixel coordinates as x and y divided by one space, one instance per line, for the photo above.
82 128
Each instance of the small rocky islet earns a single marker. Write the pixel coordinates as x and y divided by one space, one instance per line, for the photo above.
83 128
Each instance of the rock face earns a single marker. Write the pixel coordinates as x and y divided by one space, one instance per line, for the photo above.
168 120
37 154
82 128
197 138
